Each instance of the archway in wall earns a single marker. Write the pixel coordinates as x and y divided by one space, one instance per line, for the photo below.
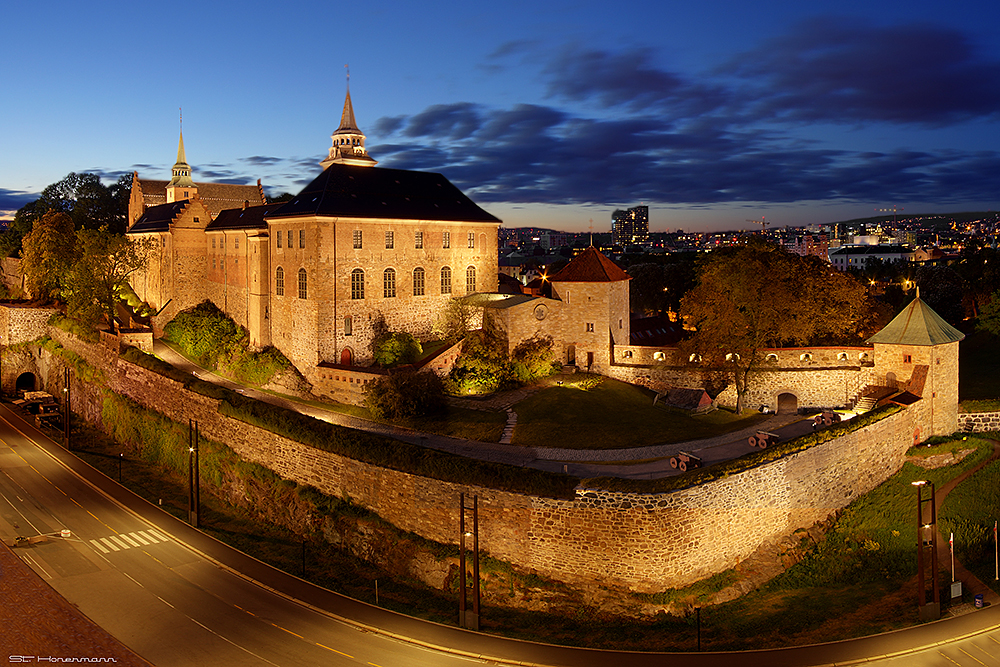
346 357
571 355
788 404
890 380
25 382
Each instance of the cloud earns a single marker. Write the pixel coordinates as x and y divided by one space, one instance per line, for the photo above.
11 200
840 70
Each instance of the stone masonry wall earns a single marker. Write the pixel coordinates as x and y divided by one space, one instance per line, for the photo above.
979 422
649 542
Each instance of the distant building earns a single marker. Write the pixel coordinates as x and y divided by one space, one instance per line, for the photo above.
859 256
810 244
630 226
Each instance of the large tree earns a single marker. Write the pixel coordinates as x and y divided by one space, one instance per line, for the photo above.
105 261
48 253
757 296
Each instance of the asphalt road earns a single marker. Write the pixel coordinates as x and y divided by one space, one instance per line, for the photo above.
178 597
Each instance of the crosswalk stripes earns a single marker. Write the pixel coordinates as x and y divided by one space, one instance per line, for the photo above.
139 538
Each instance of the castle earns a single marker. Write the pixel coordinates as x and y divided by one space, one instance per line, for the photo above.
313 276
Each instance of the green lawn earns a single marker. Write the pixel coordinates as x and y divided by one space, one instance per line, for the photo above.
613 415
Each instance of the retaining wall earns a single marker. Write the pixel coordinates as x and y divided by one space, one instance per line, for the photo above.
978 422
648 542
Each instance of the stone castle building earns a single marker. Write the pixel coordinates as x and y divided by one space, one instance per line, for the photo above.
314 274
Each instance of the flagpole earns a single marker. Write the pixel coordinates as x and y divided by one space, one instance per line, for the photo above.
951 542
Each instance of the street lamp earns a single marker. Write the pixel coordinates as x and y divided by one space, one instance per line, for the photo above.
468 619
927 540
194 486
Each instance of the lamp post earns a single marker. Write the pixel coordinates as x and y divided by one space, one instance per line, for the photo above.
66 410
194 486
927 540
468 619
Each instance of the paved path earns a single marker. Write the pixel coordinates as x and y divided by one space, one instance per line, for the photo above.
634 462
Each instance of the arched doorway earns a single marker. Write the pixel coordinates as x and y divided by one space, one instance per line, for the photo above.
890 380
346 357
788 404
25 382
571 355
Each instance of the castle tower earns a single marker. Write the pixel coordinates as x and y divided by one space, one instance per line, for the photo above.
919 352
181 186
348 141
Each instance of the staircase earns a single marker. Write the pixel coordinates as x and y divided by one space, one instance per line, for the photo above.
869 397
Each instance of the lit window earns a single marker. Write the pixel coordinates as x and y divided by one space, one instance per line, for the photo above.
279 281
302 282
590 326
302 238
390 240
418 240
418 281
389 283
446 280
472 239
357 284
278 237
470 280
446 240
356 236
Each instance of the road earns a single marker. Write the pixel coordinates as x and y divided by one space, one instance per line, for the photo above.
177 597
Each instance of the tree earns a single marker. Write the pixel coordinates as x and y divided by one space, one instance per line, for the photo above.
397 348
47 254
455 320
106 261
405 393
941 289
989 315
757 295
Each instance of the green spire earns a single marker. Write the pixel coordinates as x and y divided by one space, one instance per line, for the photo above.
181 171
918 324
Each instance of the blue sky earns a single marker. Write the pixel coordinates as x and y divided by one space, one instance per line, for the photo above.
549 114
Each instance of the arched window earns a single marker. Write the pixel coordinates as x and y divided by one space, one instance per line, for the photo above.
279 281
446 280
470 280
357 284
389 283
418 281
302 284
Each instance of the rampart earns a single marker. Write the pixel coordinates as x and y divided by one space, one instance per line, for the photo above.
979 422
648 542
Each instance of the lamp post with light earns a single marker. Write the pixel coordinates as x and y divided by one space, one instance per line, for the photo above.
194 486
927 540
468 619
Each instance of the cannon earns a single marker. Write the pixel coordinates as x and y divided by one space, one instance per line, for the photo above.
682 461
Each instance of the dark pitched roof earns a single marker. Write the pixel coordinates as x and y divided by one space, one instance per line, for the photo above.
251 217
158 218
655 331
350 191
918 324
216 197
590 266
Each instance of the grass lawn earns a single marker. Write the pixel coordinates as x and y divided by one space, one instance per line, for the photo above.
614 415
979 371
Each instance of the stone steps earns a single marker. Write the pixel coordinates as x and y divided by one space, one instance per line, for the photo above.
508 430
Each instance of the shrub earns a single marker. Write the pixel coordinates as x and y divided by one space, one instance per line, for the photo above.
205 334
405 393
532 358
397 348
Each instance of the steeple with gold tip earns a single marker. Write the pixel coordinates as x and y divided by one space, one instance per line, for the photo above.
180 186
348 141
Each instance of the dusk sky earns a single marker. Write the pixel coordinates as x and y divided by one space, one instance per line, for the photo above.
549 114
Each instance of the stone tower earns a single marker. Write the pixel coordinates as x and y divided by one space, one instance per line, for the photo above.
181 186
918 351
348 141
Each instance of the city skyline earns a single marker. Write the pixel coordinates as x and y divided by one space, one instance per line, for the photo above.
710 116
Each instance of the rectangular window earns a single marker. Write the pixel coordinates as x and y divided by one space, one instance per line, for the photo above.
418 282
236 243
390 240
356 236
418 240
213 243
590 326
472 239
290 246
302 238
446 240
213 261
279 239
907 359
348 326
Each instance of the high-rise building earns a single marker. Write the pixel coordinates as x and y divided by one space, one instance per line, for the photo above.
630 227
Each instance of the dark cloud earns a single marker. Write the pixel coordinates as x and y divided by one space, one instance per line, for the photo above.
11 200
838 70
261 160
735 135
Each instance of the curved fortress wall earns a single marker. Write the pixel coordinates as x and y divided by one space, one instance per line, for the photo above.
648 542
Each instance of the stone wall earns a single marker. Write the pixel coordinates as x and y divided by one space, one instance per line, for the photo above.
20 323
648 542
10 273
979 422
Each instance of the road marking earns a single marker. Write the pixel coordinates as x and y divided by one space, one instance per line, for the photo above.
100 546
162 538
110 544
949 659
138 538
121 543
288 631
335 651
148 535
226 639
972 656
129 540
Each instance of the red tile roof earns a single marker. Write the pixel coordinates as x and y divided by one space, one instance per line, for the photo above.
590 266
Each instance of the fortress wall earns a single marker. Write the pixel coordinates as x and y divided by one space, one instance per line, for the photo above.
648 542
979 422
